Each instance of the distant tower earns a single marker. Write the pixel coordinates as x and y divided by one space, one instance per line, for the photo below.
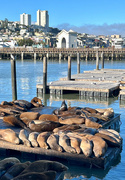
42 18
25 19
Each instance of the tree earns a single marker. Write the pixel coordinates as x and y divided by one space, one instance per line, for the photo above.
26 42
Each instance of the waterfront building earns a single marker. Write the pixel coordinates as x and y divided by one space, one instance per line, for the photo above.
25 19
67 39
43 18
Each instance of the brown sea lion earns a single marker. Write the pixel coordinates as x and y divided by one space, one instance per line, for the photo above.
48 175
64 141
23 104
23 135
90 123
105 131
99 146
90 110
9 135
33 139
53 141
75 143
109 112
86 146
63 106
109 140
49 117
30 115
42 139
14 121
14 170
37 102
26 121
115 133
66 128
44 126
45 165
72 121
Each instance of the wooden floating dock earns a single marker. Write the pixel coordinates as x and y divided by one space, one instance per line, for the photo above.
38 153
97 83
31 153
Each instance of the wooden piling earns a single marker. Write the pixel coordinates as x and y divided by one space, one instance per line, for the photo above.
102 60
13 79
69 67
97 60
78 63
44 75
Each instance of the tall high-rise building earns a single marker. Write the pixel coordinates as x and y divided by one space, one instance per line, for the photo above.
42 18
25 19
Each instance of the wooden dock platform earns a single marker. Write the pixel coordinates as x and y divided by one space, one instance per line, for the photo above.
96 83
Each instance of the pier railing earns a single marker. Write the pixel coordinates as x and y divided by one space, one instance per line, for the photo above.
85 53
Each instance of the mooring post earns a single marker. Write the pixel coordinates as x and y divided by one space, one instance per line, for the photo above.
13 79
102 59
22 56
44 75
78 63
97 60
69 67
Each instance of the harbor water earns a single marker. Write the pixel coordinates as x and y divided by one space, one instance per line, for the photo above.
29 73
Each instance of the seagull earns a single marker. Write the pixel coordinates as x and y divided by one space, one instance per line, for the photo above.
12 57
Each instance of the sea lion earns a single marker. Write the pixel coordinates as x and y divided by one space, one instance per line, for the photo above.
42 139
109 112
90 123
30 115
23 135
23 103
48 175
14 121
49 117
37 102
72 121
33 139
92 131
64 141
26 121
6 163
66 128
45 165
99 146
86 146
17 106
115 133
14 170
75 143
53 141
44 126
90 110
9 135
105 131
109 140
63 106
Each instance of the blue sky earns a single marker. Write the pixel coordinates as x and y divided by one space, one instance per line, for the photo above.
90 16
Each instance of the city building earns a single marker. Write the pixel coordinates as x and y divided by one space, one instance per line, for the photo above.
25 19
43 18
67 39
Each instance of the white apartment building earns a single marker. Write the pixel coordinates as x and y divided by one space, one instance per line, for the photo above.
42 18
25 19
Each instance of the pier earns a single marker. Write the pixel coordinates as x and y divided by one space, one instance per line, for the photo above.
62 53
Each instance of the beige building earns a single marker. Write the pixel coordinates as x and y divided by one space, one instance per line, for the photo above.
116 36
42 18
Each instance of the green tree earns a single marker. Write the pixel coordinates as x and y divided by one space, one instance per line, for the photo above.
26 42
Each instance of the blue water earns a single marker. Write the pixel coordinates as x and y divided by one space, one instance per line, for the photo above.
29 74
